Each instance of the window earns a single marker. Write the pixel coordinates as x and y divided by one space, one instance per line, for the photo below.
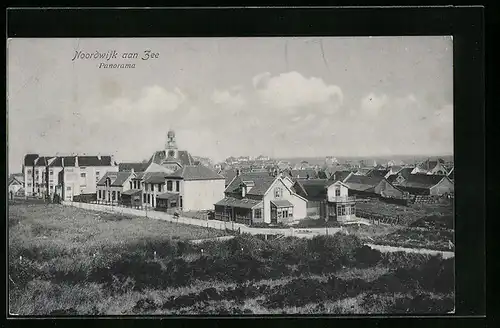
159 187
177 186
342 210
280 214
29 172
180 202
99 194
114 195
29 184
51 187
130 184
118 195
83 175
149 198
169 185
285 213
173 203
51 172
278 192
337 192
144 198
97 173
152 187
290 212
68 188
257 214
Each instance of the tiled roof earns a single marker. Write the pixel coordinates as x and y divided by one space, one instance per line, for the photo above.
69 161
391 178
262 181
314 188
94 161
137 167
405 172
362 182
183 158
131 192
422 180
117 178
229 175
339 175
377 173
154 177
168 195
197 172
241 203
43 161
282 203
302 174
29 159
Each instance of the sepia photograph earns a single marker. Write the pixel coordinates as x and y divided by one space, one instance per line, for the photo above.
230 176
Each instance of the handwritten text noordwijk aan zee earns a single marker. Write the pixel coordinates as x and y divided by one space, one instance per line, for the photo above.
112 55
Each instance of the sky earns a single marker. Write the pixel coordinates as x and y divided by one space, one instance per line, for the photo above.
279 97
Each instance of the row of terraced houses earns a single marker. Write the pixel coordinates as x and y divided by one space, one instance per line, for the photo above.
172 180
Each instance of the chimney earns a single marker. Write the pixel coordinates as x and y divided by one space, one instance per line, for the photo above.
99 156
243 190
132 170
76 161
238 172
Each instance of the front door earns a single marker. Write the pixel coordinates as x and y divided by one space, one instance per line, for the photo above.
274 214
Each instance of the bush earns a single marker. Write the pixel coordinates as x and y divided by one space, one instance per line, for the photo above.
366 256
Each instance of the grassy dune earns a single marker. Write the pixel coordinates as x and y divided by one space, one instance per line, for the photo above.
65 260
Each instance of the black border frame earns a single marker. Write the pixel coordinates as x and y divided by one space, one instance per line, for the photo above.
466 24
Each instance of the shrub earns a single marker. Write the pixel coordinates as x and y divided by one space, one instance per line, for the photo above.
366 256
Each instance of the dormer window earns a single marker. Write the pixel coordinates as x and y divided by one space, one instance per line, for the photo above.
278 192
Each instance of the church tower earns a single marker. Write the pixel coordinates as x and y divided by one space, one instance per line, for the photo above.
171 146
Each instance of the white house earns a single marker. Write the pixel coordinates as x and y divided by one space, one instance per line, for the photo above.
260 197
16 184
112 185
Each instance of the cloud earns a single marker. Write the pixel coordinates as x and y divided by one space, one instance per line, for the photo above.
292 90
230 98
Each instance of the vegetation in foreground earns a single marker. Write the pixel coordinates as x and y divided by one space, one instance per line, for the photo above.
117 266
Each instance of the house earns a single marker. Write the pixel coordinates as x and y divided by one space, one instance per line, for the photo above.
153 184
314 191
16 185
303 174
191 188
113 185
387 190
229 175
362 185
339 206
431 167
260 197
327 199
340 176
136 167
400 176
363 171
77 175
377 173
427 184
392 170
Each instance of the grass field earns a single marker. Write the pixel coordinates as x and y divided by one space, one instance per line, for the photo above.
65 260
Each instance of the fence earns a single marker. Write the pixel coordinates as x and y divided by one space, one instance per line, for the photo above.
214 224
377 218
432 199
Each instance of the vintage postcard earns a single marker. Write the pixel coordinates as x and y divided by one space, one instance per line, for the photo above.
230 176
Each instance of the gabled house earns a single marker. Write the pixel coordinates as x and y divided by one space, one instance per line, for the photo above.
340 176
113 185
16 185
191 188
393 169
427 184
362 185
431 167
363 171
377 173
260 197
400 176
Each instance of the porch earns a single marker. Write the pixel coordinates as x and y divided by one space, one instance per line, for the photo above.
341 211
168 201
131 198
244 211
